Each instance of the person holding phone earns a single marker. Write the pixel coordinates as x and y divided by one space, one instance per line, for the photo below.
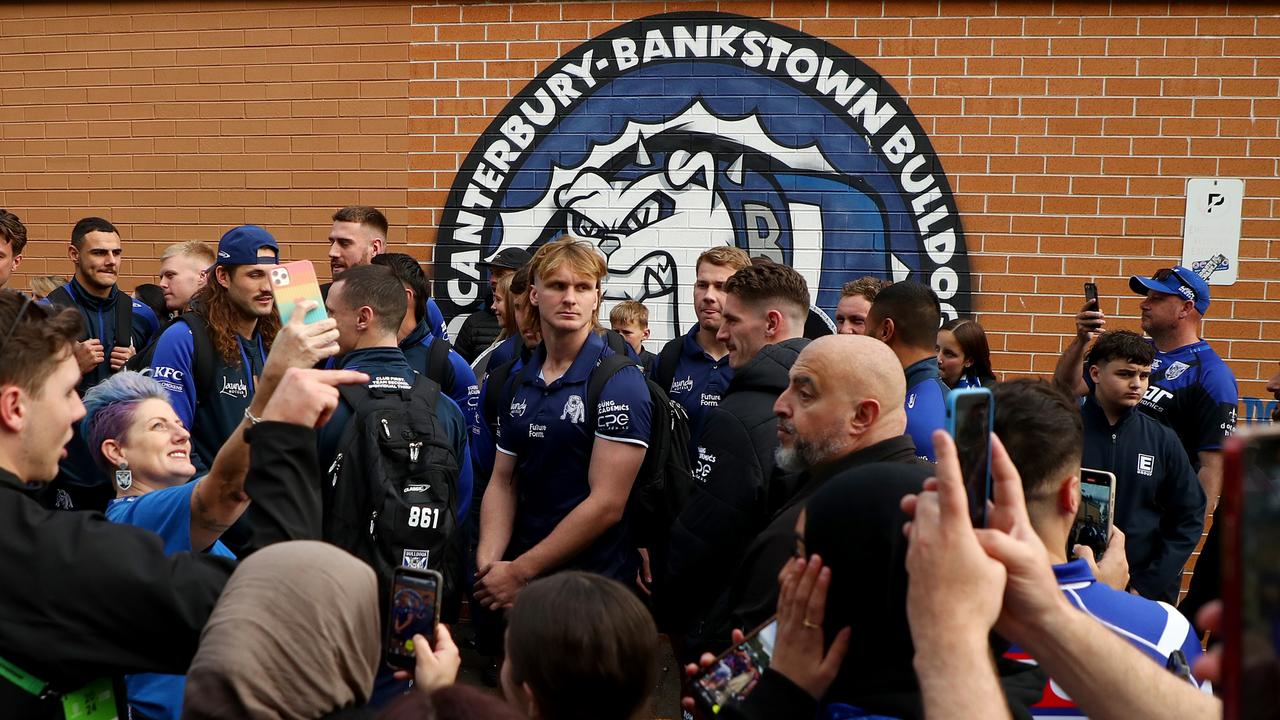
236 311
1159 502
1040 428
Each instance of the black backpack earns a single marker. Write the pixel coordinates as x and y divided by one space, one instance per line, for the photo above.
124 312
668 358
391 494
438 368
202 354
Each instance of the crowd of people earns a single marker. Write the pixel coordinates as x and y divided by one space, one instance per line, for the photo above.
204 505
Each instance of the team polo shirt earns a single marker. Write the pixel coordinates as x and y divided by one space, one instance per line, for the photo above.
926 405
231 393
167 513
464 389
1155 628
698 382
1194 392
545 428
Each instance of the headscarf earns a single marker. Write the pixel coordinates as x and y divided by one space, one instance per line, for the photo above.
294 637
854 523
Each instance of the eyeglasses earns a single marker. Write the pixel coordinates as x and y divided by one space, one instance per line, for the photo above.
26 302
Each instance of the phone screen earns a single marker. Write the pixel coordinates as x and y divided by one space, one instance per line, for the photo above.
1092 527
971 429
296 281
414 611
1255 599
734 674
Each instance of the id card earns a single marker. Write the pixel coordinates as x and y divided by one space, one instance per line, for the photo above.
95 701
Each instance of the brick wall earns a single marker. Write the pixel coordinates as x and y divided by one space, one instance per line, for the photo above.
1067 129
180 120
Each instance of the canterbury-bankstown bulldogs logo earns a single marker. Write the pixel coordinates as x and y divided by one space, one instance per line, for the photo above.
681 132
574 411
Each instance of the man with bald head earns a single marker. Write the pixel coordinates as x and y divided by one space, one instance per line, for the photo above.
834 415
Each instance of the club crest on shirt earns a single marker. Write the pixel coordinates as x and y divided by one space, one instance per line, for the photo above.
574 411
415 558
1175 370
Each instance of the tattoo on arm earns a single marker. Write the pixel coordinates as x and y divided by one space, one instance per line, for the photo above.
205 518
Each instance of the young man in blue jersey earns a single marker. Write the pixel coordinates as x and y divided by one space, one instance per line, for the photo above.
1159 502
239 316
563 472
417 340
905 316
1041 429
694 369
358 235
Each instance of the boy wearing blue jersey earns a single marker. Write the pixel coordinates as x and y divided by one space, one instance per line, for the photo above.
563 472
1041 429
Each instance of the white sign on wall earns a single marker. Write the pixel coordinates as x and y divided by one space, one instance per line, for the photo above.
1211 228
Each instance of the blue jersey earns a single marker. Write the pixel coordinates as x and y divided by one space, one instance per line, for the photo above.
1194 392
460 382
435 320
167 513
1155 628
926 405
227 397
99 316
545 428
387 369
698 381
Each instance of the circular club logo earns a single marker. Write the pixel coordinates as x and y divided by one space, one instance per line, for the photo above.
676 133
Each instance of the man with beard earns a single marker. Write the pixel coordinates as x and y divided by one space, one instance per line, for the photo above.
236 314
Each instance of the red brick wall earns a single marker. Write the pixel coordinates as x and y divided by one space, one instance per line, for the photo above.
1067 130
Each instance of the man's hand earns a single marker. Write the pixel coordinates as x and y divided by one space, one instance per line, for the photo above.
644 575
1113 571
436 667
302 345
120 355
497 585
955 588
308 397
798 649
89 354
1090 322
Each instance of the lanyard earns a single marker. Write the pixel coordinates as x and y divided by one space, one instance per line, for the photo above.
24 680
95 701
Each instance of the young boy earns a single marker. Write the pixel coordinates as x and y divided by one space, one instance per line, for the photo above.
630 319
1159 502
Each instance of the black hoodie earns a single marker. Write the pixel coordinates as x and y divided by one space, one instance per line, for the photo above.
735 491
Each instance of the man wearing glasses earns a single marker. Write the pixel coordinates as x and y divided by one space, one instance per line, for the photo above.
1191 389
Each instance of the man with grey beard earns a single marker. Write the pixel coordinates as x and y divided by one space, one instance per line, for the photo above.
843 407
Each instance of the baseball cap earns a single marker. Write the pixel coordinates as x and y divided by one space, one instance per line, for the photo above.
510 258
240 246
1176 280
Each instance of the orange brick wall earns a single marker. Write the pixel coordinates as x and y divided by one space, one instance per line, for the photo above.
1067 129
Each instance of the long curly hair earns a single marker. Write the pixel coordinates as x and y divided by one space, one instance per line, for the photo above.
214 303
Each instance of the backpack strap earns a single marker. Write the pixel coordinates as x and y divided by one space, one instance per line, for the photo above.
668 358
61 297
202 355
611 365
124 319
617 343
438 367
497 378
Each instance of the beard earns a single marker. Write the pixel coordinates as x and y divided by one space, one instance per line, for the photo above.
806 452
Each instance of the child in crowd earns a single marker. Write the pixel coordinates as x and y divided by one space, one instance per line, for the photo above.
964 357
630 319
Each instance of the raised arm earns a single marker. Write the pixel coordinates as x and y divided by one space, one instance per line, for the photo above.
1090 323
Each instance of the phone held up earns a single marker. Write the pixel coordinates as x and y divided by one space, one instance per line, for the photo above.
415 610
1250 513
296 281
970 416
1095 517
736 672
1091 295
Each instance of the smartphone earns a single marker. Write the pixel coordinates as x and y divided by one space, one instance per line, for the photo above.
734 674
1250 513
1095 517
971 413
296 281
415 610
1091 294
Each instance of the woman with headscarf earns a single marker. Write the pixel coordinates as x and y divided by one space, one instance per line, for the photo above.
293 637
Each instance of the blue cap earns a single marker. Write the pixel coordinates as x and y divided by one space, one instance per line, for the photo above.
1175 281
240 246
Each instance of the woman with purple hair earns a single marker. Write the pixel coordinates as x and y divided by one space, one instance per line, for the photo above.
139 441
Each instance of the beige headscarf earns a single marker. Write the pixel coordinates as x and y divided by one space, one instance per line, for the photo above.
294 637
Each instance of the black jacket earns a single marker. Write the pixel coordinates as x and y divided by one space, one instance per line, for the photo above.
478 332
731 500
1159 501
88 598
749 595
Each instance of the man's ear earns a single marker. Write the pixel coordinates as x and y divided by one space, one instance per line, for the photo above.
73 253
13 413
364 317
222 275
772 323
530 703
533 295
1095 372
864 416
887 331
646 333
378 245
1069 495
17 260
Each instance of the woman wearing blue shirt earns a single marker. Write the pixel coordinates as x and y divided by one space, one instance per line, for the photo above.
139 441
964 356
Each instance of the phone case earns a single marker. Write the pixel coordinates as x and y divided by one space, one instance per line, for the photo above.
978 511
406 606
296 281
